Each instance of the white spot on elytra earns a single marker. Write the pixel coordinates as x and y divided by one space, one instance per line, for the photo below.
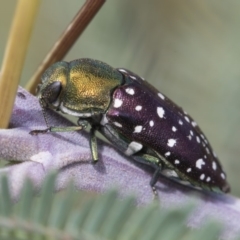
151 123
122 70
180 122
117 103
205 156
133 147
130 91
171 142
176 161
117 124
160 112
214 166
189 137
199 163
138 108
208 152
202 176
194 124
138 129
161 96
133 77
198 139
222 175
174 129
189 170
191 132
167 154
187 119
208 179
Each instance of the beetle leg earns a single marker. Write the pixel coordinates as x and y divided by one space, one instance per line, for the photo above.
159 165
93 144
82 125
147 158
155 177
57 129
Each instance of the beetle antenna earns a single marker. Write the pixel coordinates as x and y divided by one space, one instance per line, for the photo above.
43 112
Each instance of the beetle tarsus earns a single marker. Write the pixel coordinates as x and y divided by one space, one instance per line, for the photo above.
36 132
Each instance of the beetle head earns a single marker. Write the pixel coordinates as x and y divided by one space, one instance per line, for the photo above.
81 87
53 81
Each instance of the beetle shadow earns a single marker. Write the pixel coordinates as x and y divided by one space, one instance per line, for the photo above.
99 167
172 186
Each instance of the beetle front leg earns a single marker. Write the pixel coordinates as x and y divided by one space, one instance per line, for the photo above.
82 125
93 144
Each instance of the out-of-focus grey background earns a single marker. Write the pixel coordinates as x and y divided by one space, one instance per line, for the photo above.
190 50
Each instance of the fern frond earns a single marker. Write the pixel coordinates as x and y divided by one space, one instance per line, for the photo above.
78 215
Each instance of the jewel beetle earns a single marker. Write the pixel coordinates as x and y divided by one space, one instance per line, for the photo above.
141 121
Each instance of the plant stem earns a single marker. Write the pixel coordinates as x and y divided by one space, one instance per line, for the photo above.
14 56
68 38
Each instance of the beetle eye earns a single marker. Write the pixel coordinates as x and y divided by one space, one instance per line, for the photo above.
52 92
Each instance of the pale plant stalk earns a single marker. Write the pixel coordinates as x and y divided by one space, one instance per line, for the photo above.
14 56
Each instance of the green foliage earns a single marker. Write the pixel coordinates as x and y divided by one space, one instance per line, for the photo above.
72 214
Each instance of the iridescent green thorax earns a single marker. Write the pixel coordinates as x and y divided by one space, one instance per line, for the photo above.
90 84
86 84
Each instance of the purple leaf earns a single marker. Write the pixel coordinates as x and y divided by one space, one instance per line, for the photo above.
69 153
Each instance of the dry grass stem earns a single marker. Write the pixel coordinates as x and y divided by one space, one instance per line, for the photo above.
14 56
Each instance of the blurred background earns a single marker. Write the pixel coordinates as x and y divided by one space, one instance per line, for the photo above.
189 50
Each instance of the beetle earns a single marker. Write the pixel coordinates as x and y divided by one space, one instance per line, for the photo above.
141 121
